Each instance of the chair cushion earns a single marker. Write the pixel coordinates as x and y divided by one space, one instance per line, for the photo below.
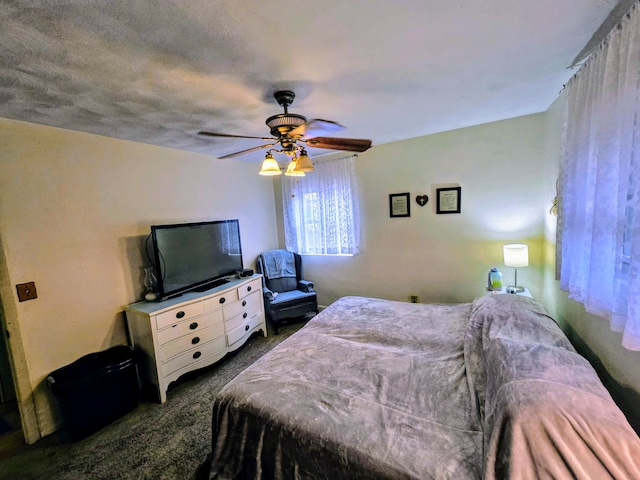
291 296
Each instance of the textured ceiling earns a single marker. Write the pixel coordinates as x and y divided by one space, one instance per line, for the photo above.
159 71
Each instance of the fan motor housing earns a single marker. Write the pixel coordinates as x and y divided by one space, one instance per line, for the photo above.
283 123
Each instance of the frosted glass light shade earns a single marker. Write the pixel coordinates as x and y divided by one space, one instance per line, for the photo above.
291 170
270 166
304 163
516 255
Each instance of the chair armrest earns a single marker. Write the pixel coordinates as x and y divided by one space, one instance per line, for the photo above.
305 286
269 294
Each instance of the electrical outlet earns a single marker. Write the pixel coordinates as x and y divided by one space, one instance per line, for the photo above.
26 291
413 298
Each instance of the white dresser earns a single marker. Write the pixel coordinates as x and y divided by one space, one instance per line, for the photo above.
194 330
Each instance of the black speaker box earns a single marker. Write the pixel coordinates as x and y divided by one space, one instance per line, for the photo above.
245 272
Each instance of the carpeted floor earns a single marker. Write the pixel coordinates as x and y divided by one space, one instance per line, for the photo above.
168 441
4 426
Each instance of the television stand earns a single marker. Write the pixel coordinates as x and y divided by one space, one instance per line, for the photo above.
186 334
210 285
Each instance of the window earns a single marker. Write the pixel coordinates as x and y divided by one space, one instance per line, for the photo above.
598 224
321 210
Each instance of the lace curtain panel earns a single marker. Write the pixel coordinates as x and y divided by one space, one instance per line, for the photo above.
321 210
599 215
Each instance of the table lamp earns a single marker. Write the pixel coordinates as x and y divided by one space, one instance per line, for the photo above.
516 255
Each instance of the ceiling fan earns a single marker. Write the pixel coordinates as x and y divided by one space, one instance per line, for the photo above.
293 131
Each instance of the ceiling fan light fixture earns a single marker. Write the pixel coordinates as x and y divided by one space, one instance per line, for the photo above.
287 129
270 166
291 170
304 163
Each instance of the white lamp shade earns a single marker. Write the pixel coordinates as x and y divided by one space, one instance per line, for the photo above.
516 255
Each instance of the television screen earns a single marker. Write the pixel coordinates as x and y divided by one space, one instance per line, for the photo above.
195 256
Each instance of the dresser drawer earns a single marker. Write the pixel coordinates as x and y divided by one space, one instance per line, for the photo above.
249 312
237 333
178 314
171 349
192 356
191 325
221 300
242 319
243 305
249 288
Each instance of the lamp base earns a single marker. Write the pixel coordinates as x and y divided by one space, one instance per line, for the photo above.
151 296
515 289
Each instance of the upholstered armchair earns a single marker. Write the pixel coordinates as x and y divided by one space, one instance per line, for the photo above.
287 296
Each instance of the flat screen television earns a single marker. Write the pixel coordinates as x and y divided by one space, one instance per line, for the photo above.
195 256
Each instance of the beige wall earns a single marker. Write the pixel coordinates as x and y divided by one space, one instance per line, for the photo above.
75 210
444 258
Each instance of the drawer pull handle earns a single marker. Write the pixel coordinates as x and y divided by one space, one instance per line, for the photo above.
246 328
180 314
222 300
193 326
197 355
195 340
244 303
244 315
249 288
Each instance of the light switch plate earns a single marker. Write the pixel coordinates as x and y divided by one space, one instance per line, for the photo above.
26 291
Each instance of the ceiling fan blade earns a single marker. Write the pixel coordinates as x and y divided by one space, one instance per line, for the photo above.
248 150
228 135
333 143
316 127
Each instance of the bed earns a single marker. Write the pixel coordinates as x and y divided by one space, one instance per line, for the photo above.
378 389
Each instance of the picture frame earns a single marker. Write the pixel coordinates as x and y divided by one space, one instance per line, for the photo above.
448 200
399 205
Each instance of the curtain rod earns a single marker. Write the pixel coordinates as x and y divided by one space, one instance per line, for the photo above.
334 159
622 8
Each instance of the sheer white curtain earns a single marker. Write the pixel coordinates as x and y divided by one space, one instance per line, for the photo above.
599 215
321 210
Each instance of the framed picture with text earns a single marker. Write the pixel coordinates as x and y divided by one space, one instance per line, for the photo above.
448 200
399 205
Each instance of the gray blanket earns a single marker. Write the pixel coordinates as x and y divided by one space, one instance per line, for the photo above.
374 389
545 412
